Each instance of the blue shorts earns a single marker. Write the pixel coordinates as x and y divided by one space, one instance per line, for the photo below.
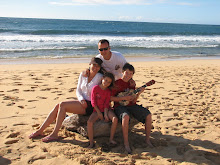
137 111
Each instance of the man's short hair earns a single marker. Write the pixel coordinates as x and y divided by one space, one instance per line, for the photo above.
129 67
102 41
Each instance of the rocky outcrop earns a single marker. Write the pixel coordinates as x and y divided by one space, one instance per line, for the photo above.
78 123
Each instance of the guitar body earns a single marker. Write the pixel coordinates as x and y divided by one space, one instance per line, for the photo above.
132 92
127 93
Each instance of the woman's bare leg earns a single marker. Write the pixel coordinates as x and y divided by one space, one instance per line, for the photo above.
74 107
50 118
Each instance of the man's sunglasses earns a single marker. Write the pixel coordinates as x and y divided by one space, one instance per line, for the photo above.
101 49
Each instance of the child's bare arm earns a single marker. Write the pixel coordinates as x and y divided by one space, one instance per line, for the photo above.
120 98
99 113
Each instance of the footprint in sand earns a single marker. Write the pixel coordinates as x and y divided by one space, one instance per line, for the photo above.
38 82
10 104
46 89
72 89
29 90
34 87
46 74
13 98
13 135
19 124
31 146
56 92
32 100
11 141
36 78
40 97
14 90
18 83
36 157
56 98
35 125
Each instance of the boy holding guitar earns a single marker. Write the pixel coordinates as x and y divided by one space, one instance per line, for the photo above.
124 111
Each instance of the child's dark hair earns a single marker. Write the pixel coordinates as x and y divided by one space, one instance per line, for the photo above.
129 67
112 77
102 70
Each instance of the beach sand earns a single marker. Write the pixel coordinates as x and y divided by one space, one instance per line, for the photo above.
184 102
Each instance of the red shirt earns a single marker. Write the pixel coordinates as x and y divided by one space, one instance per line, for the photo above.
100 98
121 86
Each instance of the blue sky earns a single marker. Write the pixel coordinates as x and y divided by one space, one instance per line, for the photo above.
168 11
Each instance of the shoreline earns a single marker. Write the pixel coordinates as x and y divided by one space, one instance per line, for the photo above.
22 61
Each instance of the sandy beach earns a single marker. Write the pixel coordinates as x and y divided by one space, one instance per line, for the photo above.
184 102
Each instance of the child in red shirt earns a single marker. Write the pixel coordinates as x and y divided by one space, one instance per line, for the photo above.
100 100
123 112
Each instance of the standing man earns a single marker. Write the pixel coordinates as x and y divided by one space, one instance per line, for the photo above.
112 61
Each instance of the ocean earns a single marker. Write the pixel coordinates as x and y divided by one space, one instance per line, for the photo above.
27 38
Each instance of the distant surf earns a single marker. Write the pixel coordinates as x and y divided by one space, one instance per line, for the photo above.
53 38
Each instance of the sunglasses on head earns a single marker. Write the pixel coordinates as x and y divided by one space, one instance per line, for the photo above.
101 49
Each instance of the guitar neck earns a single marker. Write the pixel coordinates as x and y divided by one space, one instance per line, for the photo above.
147 84
138 89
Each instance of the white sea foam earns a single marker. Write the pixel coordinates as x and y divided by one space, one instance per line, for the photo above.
82 41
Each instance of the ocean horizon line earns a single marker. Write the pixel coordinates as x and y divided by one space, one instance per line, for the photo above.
184 23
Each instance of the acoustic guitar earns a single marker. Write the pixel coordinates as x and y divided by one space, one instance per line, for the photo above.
133 92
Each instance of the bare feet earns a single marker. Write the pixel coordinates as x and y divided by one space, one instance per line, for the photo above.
34 135
128 149
149 144
49 139
112 142
91 145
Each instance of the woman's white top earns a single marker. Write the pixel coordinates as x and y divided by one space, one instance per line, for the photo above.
83 91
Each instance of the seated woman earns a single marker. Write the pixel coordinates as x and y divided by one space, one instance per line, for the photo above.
81 106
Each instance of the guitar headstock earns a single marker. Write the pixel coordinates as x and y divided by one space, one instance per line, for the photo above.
150 83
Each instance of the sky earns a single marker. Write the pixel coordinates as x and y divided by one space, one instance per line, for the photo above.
165 11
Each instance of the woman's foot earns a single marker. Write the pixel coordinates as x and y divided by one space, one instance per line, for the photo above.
34 135
49 139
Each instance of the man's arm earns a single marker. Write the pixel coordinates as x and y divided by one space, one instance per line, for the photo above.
85 73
